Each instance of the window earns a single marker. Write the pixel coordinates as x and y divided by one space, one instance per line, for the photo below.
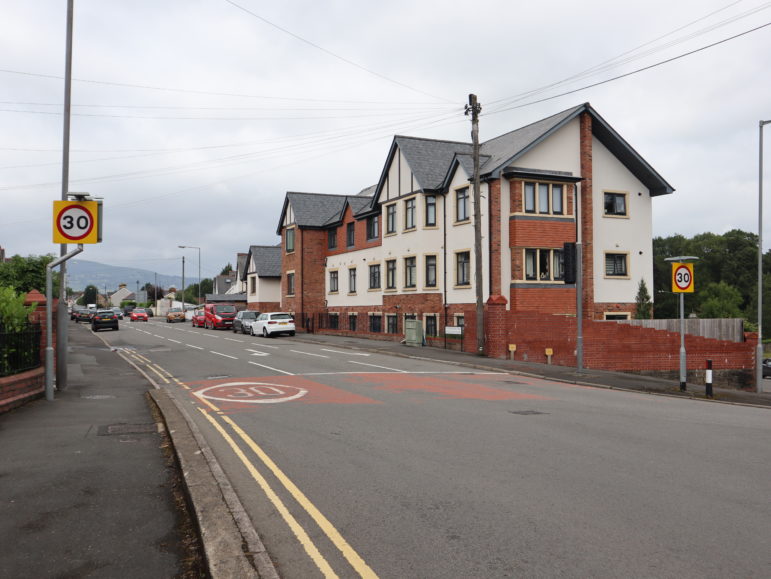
461 204
373 227
544 264
391 218
332 238
334 321
290 240
391 274
350 234
615 265
290 284
352 280
556 199
409 214
352 322
410 273
544 198
430 271
374 276
462 268
615 204
431 330
375 323
616 316
430 210
460 320
392 324
253 285
333 284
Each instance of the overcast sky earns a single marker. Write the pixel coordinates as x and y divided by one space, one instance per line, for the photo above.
193 118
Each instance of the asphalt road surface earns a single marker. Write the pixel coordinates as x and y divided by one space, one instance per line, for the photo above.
354 464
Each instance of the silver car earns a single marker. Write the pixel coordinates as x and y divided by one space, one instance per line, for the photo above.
244 320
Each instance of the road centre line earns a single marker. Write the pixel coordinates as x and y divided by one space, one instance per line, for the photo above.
175 341
324 524
225 355
233 340
376 366
346 353
292 523
157 336
206 335
309 354
196 347
264 345
269 368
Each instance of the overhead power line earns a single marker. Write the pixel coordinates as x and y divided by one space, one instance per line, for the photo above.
332 54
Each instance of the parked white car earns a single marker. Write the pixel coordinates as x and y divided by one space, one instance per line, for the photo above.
272 324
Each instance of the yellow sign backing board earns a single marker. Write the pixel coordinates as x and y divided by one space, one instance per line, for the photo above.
682 278
76 222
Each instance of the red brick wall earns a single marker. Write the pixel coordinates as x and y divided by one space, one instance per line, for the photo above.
494 201
620 347
587 230
558 299
20 388
264 306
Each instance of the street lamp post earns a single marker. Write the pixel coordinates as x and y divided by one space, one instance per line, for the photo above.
199 267
759 352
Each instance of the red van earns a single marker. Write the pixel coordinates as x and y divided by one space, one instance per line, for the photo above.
218 316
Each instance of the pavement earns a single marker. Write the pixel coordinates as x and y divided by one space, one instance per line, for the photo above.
100 481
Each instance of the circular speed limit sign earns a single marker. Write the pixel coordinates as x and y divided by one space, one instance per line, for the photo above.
75 222
682 277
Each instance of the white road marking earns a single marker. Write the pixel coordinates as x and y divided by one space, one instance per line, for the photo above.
196 347
376 366
346 353
257 352
274 369
234 340
175 341
309 354
265 346
225 355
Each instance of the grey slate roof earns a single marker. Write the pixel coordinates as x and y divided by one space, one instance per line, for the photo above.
430 159
225 298
321 210
267 260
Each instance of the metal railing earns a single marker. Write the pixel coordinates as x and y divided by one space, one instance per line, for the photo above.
20 351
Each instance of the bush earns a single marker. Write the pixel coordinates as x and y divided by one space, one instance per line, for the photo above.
14 315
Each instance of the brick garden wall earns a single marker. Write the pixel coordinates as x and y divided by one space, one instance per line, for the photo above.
624 348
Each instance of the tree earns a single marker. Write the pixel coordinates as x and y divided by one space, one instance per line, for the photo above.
24 274
14 315
89 294
720 300
191 293
643 300
226 270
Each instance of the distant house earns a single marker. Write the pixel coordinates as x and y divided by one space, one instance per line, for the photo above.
222 283
122 294
262 278
238 285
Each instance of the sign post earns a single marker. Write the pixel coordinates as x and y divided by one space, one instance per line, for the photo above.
682 283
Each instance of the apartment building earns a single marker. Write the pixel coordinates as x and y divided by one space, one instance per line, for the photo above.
404 248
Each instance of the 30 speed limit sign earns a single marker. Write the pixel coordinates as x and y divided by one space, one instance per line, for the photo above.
682 278
76 222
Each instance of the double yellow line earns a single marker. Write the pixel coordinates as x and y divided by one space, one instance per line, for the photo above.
355 560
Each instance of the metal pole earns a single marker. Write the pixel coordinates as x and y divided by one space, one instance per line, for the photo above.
183 283
579 287
49 370
682 342
474 108
61 320
199 275
759 352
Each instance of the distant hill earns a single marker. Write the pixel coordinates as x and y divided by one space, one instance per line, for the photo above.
81 273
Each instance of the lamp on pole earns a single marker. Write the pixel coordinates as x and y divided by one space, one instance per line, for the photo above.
199 267
759 353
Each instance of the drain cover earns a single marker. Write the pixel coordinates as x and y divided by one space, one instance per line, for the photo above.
526 412
127 429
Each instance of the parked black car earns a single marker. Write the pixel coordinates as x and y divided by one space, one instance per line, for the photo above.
244 320
104 319
767 368
83 315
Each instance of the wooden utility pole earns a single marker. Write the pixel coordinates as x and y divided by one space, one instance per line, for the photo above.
473 108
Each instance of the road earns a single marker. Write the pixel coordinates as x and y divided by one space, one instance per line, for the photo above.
354 464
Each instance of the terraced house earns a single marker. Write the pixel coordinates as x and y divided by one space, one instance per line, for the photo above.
403 249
